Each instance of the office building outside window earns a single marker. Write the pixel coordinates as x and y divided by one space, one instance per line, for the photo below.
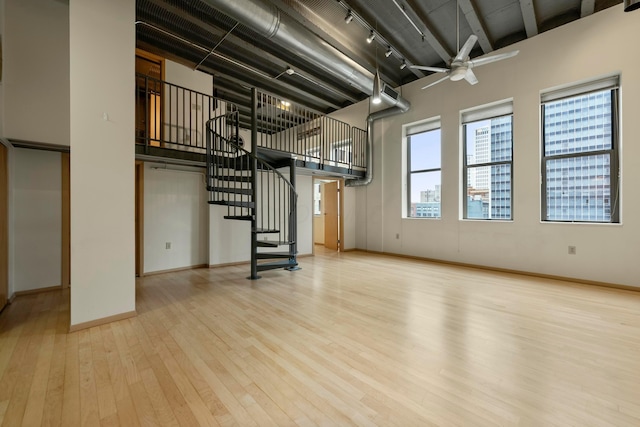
580 153
424 169
488 162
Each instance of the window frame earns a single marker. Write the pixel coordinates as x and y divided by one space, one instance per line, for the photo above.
410 130
612 85
487 112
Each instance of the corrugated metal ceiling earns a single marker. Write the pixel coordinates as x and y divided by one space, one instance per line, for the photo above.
186 30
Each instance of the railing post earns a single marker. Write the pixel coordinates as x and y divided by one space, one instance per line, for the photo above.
209 157
254 181
293 216
147 118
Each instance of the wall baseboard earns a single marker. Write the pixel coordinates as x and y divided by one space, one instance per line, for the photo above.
36 291
173 270
232 264
103 321
229 264
510 271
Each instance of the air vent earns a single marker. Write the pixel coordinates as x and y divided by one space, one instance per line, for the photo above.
390 92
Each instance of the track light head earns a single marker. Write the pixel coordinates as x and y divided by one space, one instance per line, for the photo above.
630 5
403 65
372 36
348 18
388 52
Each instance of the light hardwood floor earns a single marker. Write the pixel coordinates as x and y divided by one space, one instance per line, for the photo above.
351 339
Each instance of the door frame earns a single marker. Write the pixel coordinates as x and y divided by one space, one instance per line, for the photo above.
4 225
341 187
65 279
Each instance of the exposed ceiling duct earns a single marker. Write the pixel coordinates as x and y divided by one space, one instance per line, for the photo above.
284 31
266 19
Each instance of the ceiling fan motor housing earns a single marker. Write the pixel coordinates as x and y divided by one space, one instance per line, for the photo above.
458 73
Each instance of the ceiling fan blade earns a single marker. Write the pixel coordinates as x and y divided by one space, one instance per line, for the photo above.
489 59
425 68
471 77
436 82
466 49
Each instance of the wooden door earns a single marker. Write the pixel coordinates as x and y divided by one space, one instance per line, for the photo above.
4 228
331 215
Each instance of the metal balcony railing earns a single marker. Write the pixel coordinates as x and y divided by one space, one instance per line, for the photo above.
173 117
311 136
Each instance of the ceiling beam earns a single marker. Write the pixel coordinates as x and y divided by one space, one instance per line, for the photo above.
587 7
529 17
429 35
232 39
470 14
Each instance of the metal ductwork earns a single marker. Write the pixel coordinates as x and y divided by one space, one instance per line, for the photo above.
398 109
266 19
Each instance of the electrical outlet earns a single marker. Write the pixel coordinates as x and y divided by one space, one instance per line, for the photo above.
167 245
572 250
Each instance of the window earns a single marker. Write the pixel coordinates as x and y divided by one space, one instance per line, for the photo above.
580 153
424 166
488 162
341 152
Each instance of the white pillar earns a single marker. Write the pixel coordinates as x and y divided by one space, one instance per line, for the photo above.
102 69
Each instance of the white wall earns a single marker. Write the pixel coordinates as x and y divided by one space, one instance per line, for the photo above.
180 75
304 188
349 220
188 114
584 49
175 211
36 71
37 224
102 43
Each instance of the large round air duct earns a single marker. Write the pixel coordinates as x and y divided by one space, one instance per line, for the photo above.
630 5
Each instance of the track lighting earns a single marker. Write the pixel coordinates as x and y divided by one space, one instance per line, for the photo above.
630 5
403 65
372 36
348 18
388 52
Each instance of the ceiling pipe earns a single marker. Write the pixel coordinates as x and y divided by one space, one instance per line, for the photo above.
368 177
266 19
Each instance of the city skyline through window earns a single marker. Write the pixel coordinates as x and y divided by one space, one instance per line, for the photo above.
487 168
424 183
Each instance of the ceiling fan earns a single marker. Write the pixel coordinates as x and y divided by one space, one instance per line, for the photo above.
460 67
